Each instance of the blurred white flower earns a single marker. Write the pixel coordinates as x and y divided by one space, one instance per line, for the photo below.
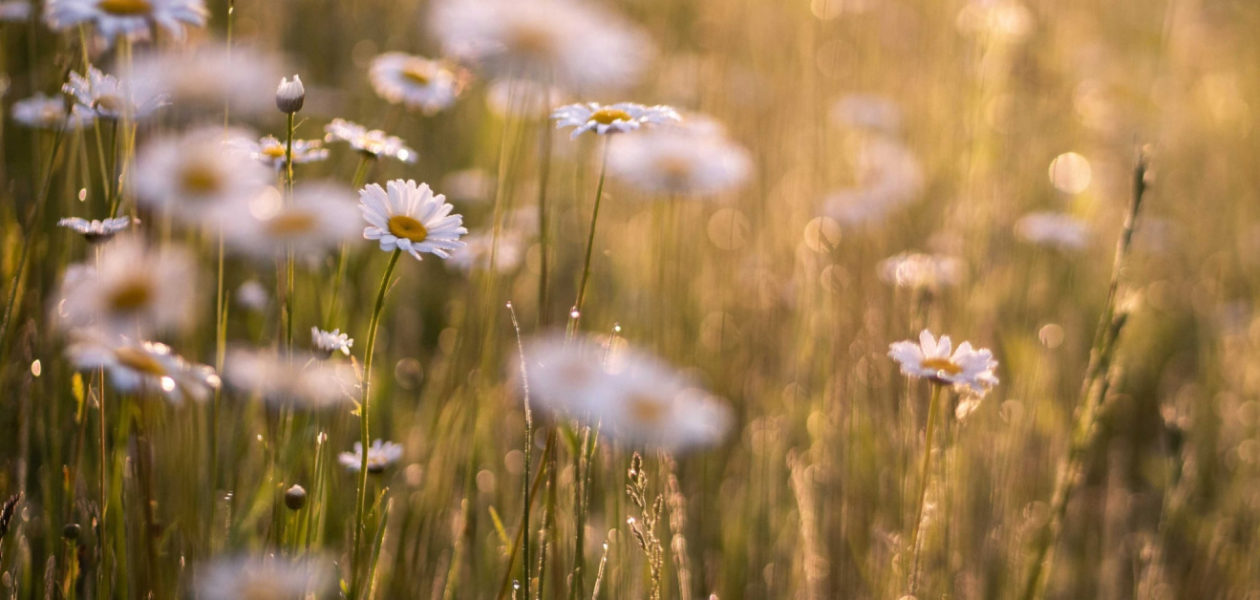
290 94
410 217
198 175
969 371
329 342
380 456
299 380
614 118
133 290
569 43
201 81
677 161
270 151
482 252
131 18
96 230
258 578
318 217
373 142
1057 230
15 10
107 97
1007 20
47 112
870 112
414 81
146 367
920 271
888 177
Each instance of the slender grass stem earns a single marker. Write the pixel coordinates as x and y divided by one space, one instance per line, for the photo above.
924 475
575 315
529 448
360 175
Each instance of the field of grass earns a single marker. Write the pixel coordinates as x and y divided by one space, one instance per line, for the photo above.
663 363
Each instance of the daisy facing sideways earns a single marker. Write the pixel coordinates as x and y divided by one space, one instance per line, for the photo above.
613 118
131 18
410 217
147 367
966 369
414 81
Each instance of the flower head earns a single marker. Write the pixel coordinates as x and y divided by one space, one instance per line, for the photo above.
968 370
373 142
15 10
913 270
201 81
678 161
148 367
290 95
299 380
96 230
107 96
410 217
888 177
416 82
131 18
1056 230
271 151
47 112
197 175
614 118
380 455
318 217
329 342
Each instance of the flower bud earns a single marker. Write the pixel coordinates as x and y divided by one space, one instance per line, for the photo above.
71 531
290 95
295 497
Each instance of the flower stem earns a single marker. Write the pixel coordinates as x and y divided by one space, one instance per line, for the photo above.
575 315
933 408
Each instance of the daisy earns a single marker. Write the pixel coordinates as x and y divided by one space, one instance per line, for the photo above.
132 290
968 370
417 82
1057 230
105 95
614 118
674 161
380 455
298 380
265 579
270 151
251 295
96 230
290 95
131 18
15 10
410 217
329 342
147 367
920 271
570 43
374 142
196 175
46 112
888 177
202 80
317 217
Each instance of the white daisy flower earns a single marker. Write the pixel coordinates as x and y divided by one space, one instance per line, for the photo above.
133 290
201 81
251 295
675 161
15 10
380 456
968 370
888 177
373 142
147 367
614 118
300 380
329 342
96 230
1006 20
920 271
867 111
318 217
570 43
197 175
259 578
479 248
416 82
270 150
1057 230
45 112
131 18
410 217
630 395
106 96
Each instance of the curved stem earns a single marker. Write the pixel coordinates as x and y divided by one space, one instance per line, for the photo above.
575 315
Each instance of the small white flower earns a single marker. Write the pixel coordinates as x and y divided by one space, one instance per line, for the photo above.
252 295
258 578
147 367
507 96
290 95
414 81
380 456
46 112
204 79
197 176
96 230
968 370
1057 230
373 142
410 217
303 381
15 10
270 150
107 97
130 18
329 342
676 161
614 118
920 271
318 217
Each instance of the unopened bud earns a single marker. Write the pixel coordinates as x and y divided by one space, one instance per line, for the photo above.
70 531
295 497
290 95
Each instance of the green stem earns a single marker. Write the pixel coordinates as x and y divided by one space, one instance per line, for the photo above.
933 408
575 315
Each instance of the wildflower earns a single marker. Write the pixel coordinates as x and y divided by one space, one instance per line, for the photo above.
270 151
96 230
318 217
410 217
251 295
1001 19
290 95
417 82
132 290
380 455
570 43
204 79
374 142
46 112
262 579
106 96
888 177
675 161
15 10
131 18
329 342
196 175
920 271
299 380
147 367
1056 230
967 370
603 120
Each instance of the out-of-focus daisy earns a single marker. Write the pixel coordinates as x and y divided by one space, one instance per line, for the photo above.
318 217
197 175
630 395
968 370
1007 20
329 342
290 95
147 367
251 295
380 456
96 230
105 95
675 161
888 177
563 41
410 217
133 290
920 271
1056 230
614 118
867 111
47 112
258 578
414 81
202 80
515 95
15 10
373 142
131 18
300 380
481 251
270 151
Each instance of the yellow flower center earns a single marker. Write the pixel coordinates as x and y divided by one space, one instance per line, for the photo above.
139 361
131 296
292 223
126 8
647 410
408 228
417 74
942 364
605 116
200 179
276 151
